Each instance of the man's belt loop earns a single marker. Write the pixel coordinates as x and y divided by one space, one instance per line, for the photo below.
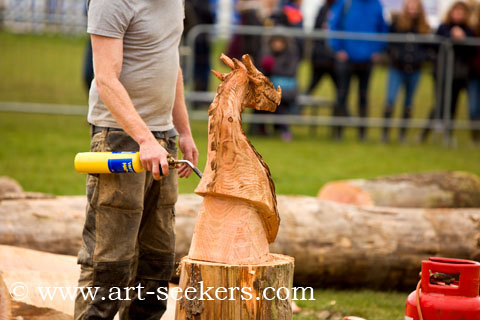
157 134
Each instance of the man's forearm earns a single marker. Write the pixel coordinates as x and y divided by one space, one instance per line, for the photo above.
118 102
182 124
180 114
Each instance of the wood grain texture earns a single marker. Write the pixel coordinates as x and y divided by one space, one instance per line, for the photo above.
38 269
5 301
229 230
276 273
234 169
414 190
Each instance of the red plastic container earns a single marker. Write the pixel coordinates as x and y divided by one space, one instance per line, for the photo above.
449 291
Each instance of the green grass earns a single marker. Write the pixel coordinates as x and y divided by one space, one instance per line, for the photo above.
371 305
38 150
41 68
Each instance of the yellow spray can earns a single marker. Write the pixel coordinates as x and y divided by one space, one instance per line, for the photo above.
108 162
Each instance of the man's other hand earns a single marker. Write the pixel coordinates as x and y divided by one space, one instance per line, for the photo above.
189 152
152 156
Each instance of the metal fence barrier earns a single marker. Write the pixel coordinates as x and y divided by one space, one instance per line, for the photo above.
39 16
445 68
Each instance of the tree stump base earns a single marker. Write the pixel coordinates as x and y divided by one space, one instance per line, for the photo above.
236 291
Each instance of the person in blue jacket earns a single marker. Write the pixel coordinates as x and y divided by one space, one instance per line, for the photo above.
355 57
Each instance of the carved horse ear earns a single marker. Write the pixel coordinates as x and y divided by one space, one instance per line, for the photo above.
220 76
238 64
247 61
227 61
253 79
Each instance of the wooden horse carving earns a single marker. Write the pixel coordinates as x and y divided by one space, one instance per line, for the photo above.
239 217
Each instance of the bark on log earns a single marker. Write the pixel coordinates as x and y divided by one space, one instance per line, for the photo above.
228 303
333 244
416 190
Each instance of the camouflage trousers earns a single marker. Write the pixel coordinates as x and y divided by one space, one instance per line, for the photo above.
128 236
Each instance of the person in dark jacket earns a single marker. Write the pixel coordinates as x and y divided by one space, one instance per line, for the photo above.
199 12
406 61
280 64
289 14
455 27
87 73
355 57
474 83
251 13
323 58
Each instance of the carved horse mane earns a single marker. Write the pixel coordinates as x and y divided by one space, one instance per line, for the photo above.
234 168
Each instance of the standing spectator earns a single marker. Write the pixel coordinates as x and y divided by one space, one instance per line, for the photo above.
323 59
474 81
454 27
87 62
199 12
254 13
290 15
251 14
280 64
355 57
406 60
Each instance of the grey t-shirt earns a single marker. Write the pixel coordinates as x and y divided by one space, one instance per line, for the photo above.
151 31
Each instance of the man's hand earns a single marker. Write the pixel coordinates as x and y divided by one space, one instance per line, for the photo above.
153 155
342 56
189 152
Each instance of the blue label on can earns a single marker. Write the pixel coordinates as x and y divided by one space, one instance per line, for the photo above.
120 165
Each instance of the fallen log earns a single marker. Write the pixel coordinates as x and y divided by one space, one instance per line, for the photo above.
413 190
333 244
5 301
11 189
24 271
51 225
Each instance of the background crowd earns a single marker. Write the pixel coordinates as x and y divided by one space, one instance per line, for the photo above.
343 59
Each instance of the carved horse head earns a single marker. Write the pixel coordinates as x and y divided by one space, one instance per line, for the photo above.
261 95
